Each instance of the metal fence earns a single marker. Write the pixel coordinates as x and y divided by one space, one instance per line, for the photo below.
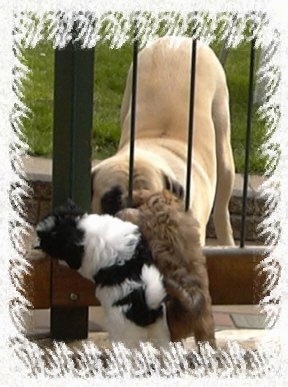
73 111
190 129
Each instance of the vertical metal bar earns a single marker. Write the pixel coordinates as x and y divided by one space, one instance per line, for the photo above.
248 142
190 124
73 111
133 113
73 108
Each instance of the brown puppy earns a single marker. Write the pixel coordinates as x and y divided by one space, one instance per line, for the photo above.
174 240
162 106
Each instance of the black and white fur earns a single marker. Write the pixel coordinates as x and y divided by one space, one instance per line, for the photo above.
113 254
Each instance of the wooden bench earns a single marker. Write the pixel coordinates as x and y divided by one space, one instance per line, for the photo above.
234 278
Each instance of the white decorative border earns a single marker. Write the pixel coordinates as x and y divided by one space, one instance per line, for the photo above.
19 356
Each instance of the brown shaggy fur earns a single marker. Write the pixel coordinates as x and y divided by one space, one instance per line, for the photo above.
173 236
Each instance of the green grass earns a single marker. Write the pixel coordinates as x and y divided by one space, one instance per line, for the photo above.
39 98
111 67
237 70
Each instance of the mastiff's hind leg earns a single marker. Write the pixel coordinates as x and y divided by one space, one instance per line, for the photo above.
225 169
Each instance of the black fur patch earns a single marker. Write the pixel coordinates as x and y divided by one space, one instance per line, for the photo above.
111 201
131 269
138 311
63 240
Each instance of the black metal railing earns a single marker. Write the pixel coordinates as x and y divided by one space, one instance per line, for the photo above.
247 143
190 128
133 113
73 109
190 124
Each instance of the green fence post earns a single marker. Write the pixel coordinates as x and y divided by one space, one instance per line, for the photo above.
73 111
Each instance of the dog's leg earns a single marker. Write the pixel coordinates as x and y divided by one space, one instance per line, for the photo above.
125 112
182 324
179 321
158 333
204 327
189 311
225 168
203 324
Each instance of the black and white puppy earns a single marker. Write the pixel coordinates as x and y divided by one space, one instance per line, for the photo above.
113 254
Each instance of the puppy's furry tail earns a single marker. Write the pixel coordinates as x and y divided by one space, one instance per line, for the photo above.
186 289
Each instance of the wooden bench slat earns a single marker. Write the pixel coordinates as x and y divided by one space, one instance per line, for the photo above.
70 289
233 278
37 284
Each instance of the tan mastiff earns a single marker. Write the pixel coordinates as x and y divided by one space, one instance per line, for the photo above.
163 90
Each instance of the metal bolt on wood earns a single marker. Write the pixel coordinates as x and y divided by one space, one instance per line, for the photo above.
73 296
